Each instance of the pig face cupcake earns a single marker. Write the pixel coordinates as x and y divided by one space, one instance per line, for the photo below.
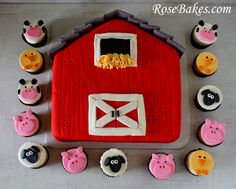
212 133
74 160
26 123
29 92
204 34
162 166
199 162
33 155
34 33
113 162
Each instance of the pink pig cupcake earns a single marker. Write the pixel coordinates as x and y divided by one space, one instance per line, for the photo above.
204 34
162 166
26 123
74 160
212 133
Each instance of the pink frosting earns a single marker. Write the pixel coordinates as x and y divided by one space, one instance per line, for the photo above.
212 132
29 93
34 31
207 35
26 123
74 160
162 166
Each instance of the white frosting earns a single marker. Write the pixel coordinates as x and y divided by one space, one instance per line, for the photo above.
213 89
134 128
110 153
42 155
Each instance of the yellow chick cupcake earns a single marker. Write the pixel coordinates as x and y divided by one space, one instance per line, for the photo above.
199 162
205 64
31 61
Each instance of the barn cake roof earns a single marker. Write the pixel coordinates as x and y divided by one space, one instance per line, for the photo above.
91 24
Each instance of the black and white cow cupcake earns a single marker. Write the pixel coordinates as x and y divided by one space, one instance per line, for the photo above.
34 33
208 98
33 155
113 162
29 92
204 34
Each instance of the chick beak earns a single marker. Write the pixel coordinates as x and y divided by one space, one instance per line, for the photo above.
202 162
30 58
208 62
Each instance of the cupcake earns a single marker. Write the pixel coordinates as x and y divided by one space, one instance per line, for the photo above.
29 92
33 155
74 160
199 162
208 98
204 34
31 61
205 64
211 133
26 123
113 162
34 33
162 166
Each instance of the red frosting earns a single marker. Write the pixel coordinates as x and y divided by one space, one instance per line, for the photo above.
157 77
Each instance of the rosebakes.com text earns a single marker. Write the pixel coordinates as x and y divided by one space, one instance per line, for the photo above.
190 9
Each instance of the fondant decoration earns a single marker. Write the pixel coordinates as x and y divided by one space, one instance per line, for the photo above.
34 33
113 162
156 76
205 64
26 123
115 50
204 34
130 126
212 133
162 166
209 98
31 61
74 160
32 155
29 92
200 162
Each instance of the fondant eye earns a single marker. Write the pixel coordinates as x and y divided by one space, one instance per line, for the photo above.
116 161
210 127
158 162
27 153
76 156
25 87
204 157
25 55
165 161
217 128
211 58
200 157
31 86
32 53
206 56
68 158
112 162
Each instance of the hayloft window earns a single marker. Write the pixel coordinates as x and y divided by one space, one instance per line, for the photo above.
108 46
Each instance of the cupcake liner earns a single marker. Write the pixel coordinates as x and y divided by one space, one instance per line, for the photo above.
200 108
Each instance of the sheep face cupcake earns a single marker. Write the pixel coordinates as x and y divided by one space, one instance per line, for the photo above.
162 166
32 155
200 162
212 133
208 98
113 162
204 34
74 160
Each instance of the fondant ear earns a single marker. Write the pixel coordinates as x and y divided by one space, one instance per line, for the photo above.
34 81
23 154
64 154
214 27
16 118
201 23
208 121
205 92
155 156
217 99
40 22
35 149
26 23
222 127
29 112
79 149
107 161
170 157
122 159
22 81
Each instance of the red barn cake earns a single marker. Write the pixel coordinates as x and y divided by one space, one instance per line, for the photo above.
116 79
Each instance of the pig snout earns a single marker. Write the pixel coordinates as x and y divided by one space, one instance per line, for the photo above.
29 93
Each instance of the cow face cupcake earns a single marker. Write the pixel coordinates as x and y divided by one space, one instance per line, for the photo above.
205 64
29 92
113 162
199 162
26 123
34 33
74 160
32 155
208 98
162 166
212 133
204 34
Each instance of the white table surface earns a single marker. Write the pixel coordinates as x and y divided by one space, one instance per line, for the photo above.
14 175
